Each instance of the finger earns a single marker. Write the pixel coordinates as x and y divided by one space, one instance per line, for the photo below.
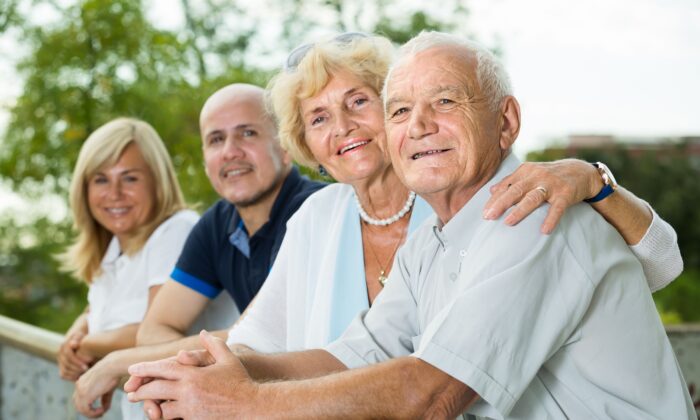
500 202
74 342
195 358
556 211
84 407
215 346
160 369
152 409
70 374
531 201
134 382
77 362
106 400
503 184
171 410
155 390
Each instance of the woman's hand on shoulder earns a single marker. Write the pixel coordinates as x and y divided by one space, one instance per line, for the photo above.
561 183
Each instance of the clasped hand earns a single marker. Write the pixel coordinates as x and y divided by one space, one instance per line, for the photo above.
209 383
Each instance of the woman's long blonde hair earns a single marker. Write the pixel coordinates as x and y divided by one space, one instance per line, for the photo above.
103 148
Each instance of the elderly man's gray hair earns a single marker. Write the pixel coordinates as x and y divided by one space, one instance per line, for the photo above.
490 73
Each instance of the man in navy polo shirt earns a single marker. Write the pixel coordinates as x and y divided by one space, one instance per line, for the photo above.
233 245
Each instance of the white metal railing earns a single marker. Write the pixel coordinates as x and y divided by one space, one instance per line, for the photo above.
32 389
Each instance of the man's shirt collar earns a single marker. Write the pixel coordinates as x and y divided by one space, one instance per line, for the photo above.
462 225
238 234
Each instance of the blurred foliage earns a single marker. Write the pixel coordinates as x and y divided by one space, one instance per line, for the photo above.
33 289
666 176
9 15
101 59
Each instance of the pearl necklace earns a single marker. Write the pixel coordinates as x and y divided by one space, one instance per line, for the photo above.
389 220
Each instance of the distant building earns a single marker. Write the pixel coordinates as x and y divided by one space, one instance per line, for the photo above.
688 146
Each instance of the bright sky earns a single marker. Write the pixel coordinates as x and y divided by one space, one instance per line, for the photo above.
625 67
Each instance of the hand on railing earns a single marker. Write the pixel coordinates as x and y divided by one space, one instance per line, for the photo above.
70 364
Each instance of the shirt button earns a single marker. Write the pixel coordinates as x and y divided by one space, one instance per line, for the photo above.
453 276
462 252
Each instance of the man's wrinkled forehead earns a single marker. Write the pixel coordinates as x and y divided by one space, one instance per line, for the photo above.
426 70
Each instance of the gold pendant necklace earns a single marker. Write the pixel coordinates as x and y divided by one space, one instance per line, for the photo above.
382 278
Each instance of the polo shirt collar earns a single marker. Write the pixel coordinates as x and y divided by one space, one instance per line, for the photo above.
462 226
113 251
239 238
237 233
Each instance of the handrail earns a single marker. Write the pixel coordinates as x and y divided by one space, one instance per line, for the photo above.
683 328
29 338
45 344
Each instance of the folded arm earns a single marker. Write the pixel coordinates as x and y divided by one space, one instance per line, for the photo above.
404 387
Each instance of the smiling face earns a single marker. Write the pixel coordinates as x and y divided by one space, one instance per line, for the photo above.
121 197
243 159
344 128
443 140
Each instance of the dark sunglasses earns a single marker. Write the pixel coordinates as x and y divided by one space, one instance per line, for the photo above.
298 53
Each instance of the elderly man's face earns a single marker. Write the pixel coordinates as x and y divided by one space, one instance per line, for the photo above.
442 137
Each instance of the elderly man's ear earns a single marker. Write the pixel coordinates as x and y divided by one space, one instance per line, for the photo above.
510 122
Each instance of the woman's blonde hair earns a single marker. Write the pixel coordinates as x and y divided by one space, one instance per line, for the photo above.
103 148
366 57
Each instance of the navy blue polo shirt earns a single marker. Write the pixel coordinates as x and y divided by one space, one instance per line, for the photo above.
218 253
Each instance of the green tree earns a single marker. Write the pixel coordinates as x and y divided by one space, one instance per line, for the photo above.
103 59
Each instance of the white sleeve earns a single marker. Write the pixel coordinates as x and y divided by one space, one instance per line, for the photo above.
263 325
659 253
165 245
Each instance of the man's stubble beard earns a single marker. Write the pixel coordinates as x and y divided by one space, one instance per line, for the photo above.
265 193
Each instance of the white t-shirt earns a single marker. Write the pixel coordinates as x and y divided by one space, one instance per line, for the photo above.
119 295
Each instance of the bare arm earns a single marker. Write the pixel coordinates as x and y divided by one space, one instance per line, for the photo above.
626 213
171 313
404 387
100 344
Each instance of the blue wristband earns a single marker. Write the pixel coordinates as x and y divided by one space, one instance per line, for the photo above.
606 191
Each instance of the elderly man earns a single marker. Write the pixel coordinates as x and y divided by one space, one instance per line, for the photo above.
476 317
231 248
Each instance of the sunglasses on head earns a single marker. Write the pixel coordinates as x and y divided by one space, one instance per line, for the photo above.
298 53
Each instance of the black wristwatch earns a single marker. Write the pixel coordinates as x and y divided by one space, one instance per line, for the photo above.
610 185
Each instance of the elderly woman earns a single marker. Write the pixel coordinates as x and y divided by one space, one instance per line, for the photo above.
132 222
340 245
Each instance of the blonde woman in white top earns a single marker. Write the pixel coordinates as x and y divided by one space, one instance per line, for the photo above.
132 222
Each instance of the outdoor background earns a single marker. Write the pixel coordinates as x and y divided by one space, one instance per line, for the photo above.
610 81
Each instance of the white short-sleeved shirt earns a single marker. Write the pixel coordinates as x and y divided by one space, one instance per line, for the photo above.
540 326
119 295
